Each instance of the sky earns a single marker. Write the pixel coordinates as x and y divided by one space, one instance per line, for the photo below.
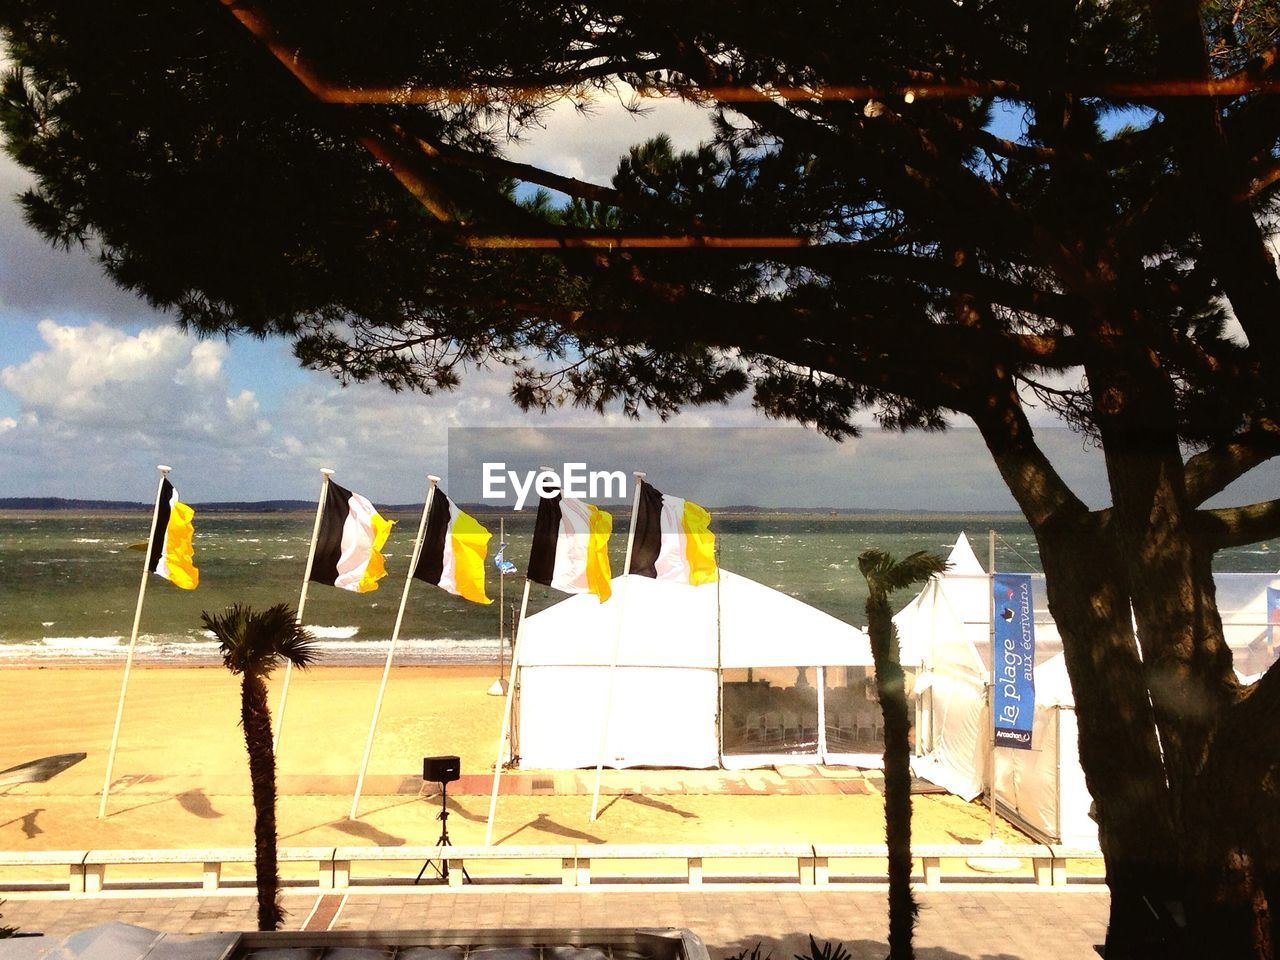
96 389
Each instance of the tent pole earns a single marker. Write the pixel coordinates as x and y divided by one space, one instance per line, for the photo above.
719 669
502 599
326 473
617 643
391 650
1057 746
822 713
133 641
504 737
991 688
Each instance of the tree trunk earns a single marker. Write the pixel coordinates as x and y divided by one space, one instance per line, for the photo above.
1213 779
256 719
892 691
1119 750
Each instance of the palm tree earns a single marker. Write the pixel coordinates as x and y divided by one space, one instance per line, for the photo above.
884 576
253 644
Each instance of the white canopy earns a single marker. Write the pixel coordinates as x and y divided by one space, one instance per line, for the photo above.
673 625
666 689
945 633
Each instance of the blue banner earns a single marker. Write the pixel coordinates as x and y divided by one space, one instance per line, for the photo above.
1014 655
1273 617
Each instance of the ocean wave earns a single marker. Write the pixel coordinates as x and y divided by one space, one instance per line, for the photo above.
82 643
196 648
333 633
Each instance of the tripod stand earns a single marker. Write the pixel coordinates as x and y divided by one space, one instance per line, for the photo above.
443 816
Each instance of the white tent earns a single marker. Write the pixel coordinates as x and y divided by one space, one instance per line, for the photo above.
945 634
1044 787
768 663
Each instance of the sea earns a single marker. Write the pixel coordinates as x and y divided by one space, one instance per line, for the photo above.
69 581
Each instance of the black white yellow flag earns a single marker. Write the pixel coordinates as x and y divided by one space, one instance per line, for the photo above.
571 547
673 539
172 547
454 550
349 546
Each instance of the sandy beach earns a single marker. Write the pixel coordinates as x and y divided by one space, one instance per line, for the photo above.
181 775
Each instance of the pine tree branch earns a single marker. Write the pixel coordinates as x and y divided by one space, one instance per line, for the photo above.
1217 185
1239 526
1213 470
1042 495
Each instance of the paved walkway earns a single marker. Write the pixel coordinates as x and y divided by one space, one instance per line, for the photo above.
954 925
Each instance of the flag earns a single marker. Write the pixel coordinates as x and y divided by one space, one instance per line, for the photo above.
673 539
500 561
172 549
348 549
453 551
571 547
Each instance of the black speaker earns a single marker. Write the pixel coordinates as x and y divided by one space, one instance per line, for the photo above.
441 769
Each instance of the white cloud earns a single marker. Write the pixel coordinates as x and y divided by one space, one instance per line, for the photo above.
99 406
588 145
160 384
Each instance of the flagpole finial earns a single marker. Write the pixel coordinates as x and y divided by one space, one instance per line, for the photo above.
163 468
326 471
433 478
639 474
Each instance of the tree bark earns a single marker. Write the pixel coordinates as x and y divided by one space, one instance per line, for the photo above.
1188 667
892 691
255 716
1119 749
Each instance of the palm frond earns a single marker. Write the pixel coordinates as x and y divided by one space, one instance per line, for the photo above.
882 572
831 950
256 641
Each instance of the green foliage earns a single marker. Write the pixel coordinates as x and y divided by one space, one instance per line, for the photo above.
7 932
830 950
886 575
209 182
254 642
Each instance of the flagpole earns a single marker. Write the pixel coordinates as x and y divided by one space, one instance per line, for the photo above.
502 599
506 717
617 643
720 669
395 635
133 640
326 473
991 689
992 864
499 687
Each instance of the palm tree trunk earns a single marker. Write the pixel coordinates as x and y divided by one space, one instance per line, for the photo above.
891 688
255 716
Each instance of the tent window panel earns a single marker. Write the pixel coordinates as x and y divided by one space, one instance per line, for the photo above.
770 710
854 723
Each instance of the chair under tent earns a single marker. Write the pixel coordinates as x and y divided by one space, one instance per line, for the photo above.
737 675
945 640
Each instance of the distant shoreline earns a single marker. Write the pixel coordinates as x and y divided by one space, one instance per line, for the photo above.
17 508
